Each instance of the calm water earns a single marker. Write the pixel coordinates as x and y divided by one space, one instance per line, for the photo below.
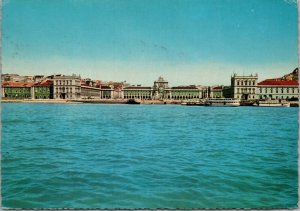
148 156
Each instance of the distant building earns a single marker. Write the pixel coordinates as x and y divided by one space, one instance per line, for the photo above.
117 89
66 87
293 76
38 78
161 89
16 90
8 77
272 89
244 87
227 92
90 92
16 78
137 92
216 92
106 92
42 90
185 92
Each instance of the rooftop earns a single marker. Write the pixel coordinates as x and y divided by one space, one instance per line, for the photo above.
274 82
185 87
17 84
138 87
44 83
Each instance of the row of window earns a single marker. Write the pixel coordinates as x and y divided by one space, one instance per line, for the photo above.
278 90
18 91
246 90
63 82
63 88
245 83
275 98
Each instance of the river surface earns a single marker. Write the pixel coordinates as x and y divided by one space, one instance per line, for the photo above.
148 156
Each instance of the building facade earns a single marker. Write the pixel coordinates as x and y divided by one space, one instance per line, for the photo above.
271 89
106 92
185 93
17 90
89 92
42 90
216 92
244 87
161 91
137 92
66 87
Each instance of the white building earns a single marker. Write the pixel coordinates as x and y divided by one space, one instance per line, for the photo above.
272 89
66 87
244 87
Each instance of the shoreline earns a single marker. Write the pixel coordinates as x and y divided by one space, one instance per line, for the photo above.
98 101
104 101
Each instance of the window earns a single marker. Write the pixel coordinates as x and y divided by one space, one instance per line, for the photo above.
276 91
287 90
238 83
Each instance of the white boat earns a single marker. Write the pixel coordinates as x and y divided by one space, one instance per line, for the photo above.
223 102
273 104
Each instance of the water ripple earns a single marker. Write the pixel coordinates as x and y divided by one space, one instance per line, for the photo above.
121 156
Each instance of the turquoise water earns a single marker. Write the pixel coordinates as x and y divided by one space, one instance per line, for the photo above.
148 156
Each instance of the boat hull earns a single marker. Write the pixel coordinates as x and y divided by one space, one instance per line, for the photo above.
224 104
273 105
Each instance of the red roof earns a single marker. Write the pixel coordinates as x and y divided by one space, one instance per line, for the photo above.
44 83
17 84
272 82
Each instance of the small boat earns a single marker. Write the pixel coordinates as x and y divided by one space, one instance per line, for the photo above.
272 104
223 102
247 103
194 103
132 101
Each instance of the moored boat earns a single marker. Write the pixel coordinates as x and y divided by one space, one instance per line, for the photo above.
272 104
132 101
223 102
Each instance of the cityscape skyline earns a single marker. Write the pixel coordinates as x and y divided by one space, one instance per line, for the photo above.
187 42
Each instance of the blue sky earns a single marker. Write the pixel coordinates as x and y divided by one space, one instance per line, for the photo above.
186 41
